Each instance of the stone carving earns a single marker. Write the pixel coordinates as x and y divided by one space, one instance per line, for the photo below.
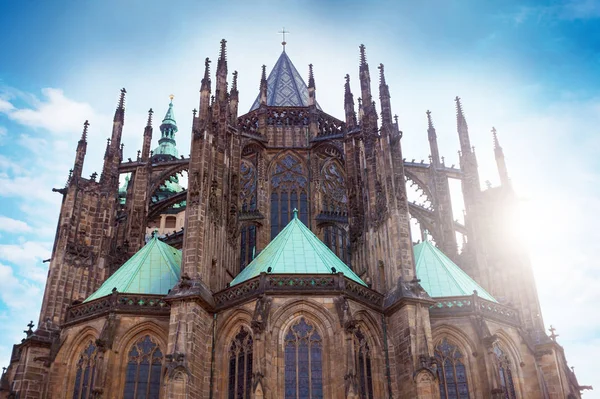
107 336
344 314
261 314
194 190
213 202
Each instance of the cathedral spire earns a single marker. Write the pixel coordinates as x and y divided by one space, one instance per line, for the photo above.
384 97
80 154
221 89
205 92
311 86
147 137
120 111
462 128
433 144
349 104
365 78
168 128
500 162
234 99
263 86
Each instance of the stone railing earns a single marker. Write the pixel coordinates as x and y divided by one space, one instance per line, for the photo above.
474 304
118 302
318 284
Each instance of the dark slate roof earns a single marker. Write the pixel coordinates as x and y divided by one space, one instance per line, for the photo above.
285 86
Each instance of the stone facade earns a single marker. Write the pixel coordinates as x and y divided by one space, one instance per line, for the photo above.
245 175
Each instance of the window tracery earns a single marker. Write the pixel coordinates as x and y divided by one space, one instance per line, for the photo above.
336 238
240 365
288 192
505 372
248 180
303 362
363 365
452 373
143 372
248 245
335 198
86 372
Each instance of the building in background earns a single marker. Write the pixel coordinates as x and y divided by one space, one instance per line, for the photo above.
287 267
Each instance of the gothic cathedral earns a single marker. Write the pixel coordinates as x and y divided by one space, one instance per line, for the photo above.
287 267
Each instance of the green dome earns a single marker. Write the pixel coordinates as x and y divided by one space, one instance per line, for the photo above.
295 250
154 269
440 277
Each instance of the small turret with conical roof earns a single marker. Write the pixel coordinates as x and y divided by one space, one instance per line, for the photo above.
167 149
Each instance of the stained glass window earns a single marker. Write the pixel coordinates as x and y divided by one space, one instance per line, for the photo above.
248 245
288 192
505 370
248 179
335 198
240 366
451 371
303 362
363 365
143 372
86 372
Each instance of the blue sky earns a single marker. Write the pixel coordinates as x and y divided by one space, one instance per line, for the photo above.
528 68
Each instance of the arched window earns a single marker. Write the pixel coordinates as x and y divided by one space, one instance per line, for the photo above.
248 245
240 366
248 179
336 238
505 371
451 371
142 376
335 198
303 362
288 191
363 365
86 372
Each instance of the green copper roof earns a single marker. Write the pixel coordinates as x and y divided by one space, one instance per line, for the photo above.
168 128
154 269
441 277
295 250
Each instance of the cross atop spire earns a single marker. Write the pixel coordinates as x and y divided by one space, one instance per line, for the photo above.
283 32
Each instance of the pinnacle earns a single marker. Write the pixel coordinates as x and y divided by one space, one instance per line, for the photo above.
429 121
85 129
381 75
150 112
311 77
122 99
207 68
496 141
363 57
234 85
263 76
223 54
347 84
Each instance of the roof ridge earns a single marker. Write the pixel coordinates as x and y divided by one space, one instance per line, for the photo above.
279 251
141 262
167 256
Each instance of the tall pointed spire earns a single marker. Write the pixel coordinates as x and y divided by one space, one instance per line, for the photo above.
349 104
221 88
234 99
500 162
147 137
365 78
80 153
311 86
263 86
384 97
205 92
120 111
433 144
168 128
462 128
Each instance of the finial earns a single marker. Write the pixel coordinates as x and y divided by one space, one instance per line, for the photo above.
283 32
223 53
234 85
29 331
396 119
263 76
429 122
381 74
295 213
458 105
495 135
122 99
425 235
363 57
206 68
552 334
194 112
85 129
150 112
171 97
311 77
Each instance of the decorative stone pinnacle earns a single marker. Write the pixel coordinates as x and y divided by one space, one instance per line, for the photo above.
263 75
495 135
223 54
150 112
429 121
207 68
381 74
234 85
85 129
311 76
194 111
396 118
122 99
552 334
363 57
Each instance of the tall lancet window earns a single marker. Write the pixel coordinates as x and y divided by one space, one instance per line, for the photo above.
363 365
240 366
505 371
303 362
451 371
86 372
248 198
142 375
289 185
335 208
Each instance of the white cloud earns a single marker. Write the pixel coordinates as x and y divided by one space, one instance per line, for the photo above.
6 106
13 226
